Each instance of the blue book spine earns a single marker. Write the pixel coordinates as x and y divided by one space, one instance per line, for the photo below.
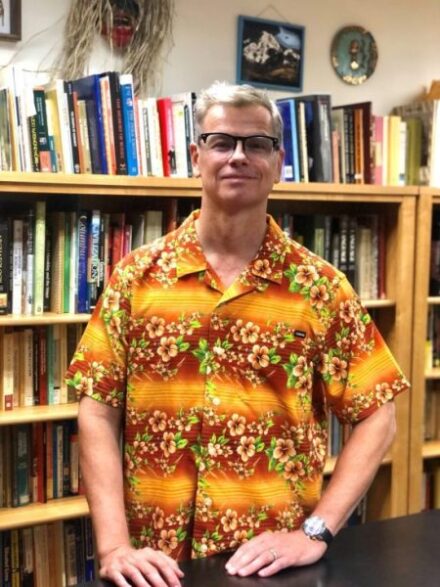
83 287
127 101
93 257
285 111
89 555
290 139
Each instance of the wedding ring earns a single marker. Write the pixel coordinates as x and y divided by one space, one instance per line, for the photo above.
274 554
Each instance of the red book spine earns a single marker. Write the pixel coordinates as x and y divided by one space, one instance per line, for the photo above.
164 108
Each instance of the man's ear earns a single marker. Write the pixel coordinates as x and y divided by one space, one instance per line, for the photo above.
279 164
194 152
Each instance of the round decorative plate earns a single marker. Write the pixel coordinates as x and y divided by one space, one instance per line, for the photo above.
354 55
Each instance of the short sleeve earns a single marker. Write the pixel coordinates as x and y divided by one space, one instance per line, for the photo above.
358 369
98 368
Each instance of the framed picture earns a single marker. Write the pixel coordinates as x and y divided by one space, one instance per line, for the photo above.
270 54
10 20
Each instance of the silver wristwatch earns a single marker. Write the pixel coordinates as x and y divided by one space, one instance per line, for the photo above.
315 528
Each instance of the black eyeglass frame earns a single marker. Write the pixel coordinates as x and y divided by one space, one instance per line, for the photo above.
275 142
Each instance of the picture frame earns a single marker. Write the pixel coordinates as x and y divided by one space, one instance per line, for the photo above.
270 54
10 20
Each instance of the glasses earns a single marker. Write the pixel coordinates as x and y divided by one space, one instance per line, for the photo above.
223 144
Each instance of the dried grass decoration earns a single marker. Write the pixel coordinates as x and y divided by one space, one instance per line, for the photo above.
138 28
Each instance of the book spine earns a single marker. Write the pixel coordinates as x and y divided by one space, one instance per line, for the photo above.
30 255
5 253
17 266
128 117
118 126
164 108
40 239
73 127
83 295
7 370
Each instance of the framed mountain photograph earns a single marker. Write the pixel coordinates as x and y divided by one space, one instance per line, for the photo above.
270 54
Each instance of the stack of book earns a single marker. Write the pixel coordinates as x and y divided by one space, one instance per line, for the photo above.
48 555
94 124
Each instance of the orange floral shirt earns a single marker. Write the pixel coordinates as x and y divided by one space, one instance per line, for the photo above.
226 392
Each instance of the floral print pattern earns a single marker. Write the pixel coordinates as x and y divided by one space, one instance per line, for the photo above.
226 392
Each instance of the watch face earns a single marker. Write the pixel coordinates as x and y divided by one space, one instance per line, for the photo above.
354 54
314 526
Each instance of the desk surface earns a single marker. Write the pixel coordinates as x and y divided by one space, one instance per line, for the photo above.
403 552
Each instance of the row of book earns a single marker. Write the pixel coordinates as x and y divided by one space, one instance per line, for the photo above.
354 244
59 554
432 344
431 486
59 261
432 411
349 144
33 363
94 124
39 462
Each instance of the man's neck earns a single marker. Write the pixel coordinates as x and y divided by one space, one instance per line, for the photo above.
230 241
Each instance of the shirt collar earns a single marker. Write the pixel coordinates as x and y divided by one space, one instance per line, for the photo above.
267 264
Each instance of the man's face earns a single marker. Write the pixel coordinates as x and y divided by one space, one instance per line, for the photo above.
238 179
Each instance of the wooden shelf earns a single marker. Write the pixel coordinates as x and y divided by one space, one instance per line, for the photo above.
379 303
39 414
43 513
434 300
432 374
43 319
431 449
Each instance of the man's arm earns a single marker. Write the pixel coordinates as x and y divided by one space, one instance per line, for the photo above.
355 469
101 468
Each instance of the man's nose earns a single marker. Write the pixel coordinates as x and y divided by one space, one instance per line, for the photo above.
239 153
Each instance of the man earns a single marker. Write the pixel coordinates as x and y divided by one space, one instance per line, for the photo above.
218 350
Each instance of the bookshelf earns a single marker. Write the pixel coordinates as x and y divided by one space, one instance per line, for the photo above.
393 315
420 450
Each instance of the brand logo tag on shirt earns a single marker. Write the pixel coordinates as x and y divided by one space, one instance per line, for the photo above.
299 333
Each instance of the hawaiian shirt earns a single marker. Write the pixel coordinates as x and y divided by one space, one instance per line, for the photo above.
226 391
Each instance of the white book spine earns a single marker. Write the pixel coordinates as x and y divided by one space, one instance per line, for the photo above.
17 267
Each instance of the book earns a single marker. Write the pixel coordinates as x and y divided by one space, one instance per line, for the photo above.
29 251
17 266
164 108
42 130
107 119
154 138
57 95
317 109
287 109
88 91
7 369
6 155
425 111
22 465
5 239
363 129
129 124
118 125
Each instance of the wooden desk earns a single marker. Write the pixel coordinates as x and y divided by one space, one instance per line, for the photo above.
403 552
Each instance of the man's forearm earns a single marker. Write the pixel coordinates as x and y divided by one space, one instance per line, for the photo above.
101 470
357 466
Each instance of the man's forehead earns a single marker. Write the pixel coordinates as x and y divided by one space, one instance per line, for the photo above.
231 114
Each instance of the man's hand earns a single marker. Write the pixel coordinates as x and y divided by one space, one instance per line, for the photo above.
271 552
144 568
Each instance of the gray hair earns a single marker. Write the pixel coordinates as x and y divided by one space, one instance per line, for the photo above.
238 96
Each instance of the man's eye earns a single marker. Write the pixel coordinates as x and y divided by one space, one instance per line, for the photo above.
220 145
258 145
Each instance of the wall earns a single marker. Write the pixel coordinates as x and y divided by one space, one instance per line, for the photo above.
204 43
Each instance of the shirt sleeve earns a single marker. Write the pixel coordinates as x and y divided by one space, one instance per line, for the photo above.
98 368
359 372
